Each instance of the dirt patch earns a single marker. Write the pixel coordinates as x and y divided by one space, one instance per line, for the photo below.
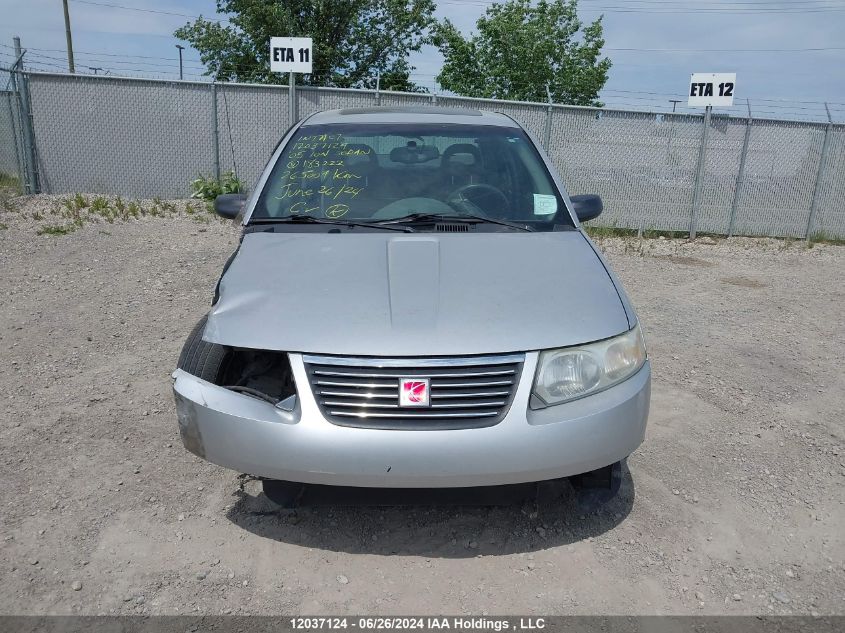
742 282
686 260
734 503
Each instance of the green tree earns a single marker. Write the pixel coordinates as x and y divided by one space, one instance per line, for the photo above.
520 49
353 39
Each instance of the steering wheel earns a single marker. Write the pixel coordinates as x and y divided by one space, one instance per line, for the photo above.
480 198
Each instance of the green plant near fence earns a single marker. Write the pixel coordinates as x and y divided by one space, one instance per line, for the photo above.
78 210
10 181
208 187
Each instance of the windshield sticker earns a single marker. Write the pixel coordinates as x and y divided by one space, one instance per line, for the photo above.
544 204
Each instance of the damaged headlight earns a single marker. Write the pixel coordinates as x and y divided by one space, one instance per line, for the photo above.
569 373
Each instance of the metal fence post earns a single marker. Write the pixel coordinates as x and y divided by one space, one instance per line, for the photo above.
13 128
215 131
378 86
819 175
29 135
25 115
292 97
548 132
740 176
699 174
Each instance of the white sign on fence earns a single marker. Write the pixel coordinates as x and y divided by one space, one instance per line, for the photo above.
711 89
291 54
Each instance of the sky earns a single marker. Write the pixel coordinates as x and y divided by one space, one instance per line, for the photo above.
654 46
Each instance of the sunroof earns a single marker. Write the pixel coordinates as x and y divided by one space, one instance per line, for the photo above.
411 110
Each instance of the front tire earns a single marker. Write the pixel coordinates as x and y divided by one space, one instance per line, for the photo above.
597 487
200 358
285 494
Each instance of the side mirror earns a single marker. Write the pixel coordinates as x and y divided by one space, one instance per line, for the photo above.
229 205
587 207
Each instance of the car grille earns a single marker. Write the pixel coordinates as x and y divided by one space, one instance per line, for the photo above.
468 392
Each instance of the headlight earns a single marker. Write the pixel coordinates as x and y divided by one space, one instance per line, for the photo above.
573 372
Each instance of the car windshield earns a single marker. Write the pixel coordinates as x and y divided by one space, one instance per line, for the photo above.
413 173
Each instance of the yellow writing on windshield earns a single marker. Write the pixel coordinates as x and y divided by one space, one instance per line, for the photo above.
337 210
316 172
335 192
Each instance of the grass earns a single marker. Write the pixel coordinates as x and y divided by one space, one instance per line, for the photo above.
10 181
3 227
609 231
99 205
823 237
615 231
7 200
77 210
57 229
601 232
208 187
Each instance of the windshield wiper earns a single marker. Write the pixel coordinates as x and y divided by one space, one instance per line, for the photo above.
448 217
301 218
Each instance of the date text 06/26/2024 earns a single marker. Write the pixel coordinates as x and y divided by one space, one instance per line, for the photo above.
418 623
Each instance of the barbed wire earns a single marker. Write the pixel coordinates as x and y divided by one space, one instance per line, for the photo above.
593 6
680 6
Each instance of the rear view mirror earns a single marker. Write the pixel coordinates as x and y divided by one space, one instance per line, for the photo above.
229 205
587 207
414 154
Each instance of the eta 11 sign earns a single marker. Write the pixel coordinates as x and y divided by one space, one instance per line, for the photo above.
711 89
291 54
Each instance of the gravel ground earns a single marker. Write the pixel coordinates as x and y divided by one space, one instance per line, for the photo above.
730 506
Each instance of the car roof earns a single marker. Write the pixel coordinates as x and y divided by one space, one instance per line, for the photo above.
411 114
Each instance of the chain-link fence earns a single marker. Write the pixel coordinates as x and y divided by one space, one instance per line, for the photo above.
654 171
17 158
10 141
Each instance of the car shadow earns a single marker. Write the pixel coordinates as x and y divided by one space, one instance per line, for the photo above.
437 523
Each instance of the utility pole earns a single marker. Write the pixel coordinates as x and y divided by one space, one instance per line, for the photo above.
674 103
181 48
69 40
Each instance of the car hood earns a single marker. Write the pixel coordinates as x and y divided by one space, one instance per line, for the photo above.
389 294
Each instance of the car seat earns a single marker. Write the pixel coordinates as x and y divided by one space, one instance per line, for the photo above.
461 165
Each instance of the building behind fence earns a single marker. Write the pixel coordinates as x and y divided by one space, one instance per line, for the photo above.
146 138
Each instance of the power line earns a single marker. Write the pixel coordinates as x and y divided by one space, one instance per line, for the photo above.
726 50
120 6
682 7
738 8
606 48
771 3
103 53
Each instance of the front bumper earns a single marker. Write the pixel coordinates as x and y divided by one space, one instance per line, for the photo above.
251 436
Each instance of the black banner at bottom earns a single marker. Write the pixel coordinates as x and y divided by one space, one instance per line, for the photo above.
496 624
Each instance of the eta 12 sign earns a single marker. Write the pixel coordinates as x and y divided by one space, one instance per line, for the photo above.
711 89
291 54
